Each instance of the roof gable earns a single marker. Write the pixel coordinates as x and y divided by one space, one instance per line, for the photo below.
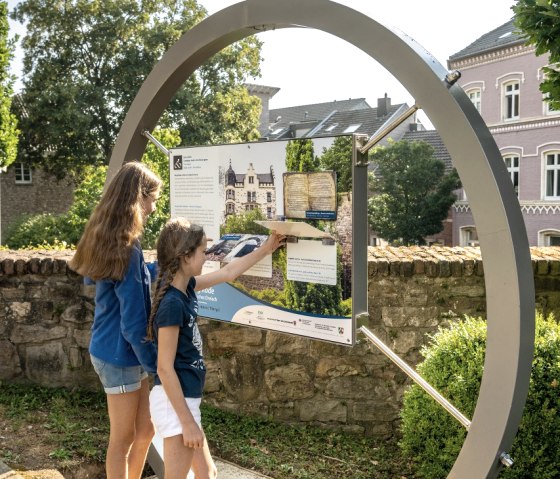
367 119
328 119
434 140
503 36
315 111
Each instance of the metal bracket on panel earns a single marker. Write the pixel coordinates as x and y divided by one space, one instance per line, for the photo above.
506 459
452 77
360 158
155 141
328 241
386 129
291 239
362 320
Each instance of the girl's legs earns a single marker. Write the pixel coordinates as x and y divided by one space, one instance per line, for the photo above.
176 457
144 434
131 432
203 464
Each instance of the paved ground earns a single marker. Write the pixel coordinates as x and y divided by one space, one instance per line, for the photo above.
226 470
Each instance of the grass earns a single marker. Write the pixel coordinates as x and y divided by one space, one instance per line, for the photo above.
77 427
73 424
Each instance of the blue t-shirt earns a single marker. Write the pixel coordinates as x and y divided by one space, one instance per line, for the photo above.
181 309
120 322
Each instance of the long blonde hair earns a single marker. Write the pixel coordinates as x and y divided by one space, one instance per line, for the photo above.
115 224
177 238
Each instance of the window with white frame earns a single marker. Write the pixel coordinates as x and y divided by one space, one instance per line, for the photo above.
23 174
469 236
549 238
552 175
511 100
548 110
553 240
475 97
512 164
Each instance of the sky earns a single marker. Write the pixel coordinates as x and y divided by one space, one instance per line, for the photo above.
330 69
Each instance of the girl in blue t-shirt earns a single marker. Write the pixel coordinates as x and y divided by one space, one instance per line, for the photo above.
176 396
110 254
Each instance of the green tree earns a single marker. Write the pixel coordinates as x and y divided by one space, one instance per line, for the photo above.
339 158
8 123
539 20
244 223
301 296
84 61
411 192
314 297
300 156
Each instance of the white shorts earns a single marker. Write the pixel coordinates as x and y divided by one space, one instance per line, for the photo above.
165 419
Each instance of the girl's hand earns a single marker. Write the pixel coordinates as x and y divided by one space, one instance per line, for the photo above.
273 242
192 435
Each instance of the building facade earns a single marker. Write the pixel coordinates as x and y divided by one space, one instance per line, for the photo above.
501 76
249 191
28 191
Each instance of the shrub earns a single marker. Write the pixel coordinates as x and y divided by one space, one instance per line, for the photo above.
453 364
42 229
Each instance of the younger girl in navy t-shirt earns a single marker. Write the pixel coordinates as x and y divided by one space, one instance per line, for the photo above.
175 398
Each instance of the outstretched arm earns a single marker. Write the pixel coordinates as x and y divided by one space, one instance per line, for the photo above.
238 266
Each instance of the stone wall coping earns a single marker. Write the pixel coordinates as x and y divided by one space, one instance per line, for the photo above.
389 260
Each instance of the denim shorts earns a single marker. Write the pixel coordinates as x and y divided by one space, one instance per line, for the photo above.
118 379
165 419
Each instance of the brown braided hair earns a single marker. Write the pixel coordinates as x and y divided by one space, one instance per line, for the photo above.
177 238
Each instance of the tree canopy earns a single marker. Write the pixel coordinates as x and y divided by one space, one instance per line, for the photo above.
8 122
411 192
300 156
539 20
84 61
338 157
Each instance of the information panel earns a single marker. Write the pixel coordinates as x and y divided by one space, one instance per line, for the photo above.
240 193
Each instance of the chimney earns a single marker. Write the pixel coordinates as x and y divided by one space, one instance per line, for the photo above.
383 105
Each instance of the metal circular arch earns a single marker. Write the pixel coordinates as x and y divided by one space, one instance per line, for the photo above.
501 231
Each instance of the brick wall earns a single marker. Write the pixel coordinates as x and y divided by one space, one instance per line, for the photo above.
46 314
44 195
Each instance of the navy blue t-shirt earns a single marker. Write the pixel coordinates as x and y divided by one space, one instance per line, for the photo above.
179 309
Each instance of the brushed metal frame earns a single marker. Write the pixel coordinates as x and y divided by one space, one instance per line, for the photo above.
503 239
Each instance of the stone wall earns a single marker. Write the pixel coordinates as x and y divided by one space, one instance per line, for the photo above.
46 314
